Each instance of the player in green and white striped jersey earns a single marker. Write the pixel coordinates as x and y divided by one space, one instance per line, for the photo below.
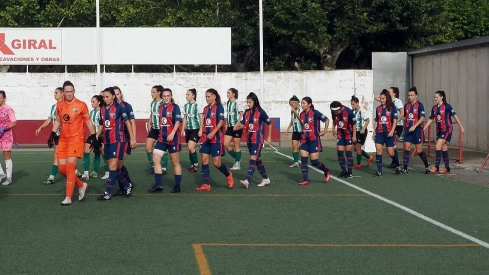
363 119
296 126
95 118
58 96
153 128
234 112
192 116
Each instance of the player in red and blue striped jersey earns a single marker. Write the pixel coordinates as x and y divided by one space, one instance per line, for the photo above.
253 121
213 140
344 129
442 114
170 121
127 149
311 139
385 124
413 130
112 121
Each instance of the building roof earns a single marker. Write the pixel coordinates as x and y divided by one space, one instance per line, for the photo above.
468 43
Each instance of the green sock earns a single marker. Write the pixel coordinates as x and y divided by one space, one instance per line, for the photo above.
150 158
367 156
190 158
359 159
96 162
106 166
164 161
86 161
295 155
194 159
54 170
238 156
232 153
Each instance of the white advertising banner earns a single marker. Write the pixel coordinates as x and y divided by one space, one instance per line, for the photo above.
26 47
118 46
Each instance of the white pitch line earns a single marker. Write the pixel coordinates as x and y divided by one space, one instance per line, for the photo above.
402 207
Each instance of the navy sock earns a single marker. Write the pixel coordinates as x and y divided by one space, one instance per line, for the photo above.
378 160
178 179
349 159
438 159
305 168
110 181
341 160
205 173
261 169
125 173
446 160
158 179
224 170
423 157
251 170
405 158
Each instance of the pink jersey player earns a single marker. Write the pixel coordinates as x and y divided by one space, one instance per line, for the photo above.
7 122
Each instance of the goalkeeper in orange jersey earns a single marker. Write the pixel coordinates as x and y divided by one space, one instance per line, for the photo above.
71 114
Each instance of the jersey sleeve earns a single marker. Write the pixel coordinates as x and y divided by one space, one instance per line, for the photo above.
84 112
451 110
239 107
100 119
200 109
395 114
398 104
129 112
365 114
376 115
421 111
220 112
320 116
11 115
176 113
351 118
243 118
264 117
432 114
122 112
184 108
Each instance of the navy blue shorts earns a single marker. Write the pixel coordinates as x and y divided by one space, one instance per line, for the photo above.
447 135
414 137
312 146
383 138
213 149
127 148
115 150
255 149
343 142
172 148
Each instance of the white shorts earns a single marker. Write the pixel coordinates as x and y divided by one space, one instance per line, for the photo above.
6 146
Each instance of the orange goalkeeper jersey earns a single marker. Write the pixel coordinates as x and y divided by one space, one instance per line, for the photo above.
72 117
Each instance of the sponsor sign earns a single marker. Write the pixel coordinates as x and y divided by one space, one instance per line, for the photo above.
26 47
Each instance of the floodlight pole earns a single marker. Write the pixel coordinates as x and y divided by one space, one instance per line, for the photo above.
97 3
262 98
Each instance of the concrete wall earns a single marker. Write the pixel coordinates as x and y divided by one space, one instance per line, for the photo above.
463 75
390 69
31 94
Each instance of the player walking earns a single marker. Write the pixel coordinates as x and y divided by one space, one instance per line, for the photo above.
344 125
192 118
296 126
234 113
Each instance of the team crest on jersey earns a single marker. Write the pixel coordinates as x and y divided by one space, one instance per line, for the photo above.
168 114
208 121
306 126
441 112
213 114
4 114
164 121
388 113
75 110
112 115
310 119
415 110
255 120
383 119
250 127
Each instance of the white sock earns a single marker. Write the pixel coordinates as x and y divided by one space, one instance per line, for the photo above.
8 167
51 177
1 169
85 173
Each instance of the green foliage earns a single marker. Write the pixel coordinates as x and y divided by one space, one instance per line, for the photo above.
298 34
